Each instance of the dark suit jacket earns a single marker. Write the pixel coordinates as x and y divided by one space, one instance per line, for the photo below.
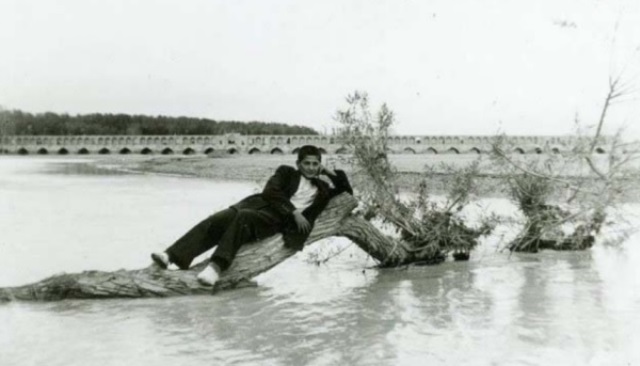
276 196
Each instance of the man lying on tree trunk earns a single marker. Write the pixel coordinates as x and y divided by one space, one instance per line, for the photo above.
289 204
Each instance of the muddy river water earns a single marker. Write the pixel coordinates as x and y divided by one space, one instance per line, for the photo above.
57 215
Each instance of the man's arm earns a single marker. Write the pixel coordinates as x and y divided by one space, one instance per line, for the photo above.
274 192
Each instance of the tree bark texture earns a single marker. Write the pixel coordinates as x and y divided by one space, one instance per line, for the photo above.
252 259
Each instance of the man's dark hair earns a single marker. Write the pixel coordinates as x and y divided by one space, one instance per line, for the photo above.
307 150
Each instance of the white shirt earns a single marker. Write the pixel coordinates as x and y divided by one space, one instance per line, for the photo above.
305 194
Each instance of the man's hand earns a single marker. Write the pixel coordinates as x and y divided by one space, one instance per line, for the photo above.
327 170
303 224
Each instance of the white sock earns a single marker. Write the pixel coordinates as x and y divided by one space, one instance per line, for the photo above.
208 276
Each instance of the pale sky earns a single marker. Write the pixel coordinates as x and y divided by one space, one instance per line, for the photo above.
445 67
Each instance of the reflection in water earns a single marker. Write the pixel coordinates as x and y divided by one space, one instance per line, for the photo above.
549 308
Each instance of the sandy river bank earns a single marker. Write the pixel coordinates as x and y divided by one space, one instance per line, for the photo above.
258 168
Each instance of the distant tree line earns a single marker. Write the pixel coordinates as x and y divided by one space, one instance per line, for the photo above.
17 122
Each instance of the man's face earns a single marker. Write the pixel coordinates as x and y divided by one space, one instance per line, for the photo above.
309 166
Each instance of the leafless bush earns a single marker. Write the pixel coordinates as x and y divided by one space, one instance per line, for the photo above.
568 199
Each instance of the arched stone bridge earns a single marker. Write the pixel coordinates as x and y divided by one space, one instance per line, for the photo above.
269 144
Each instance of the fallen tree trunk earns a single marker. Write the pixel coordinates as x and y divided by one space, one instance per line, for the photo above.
389 252
252 259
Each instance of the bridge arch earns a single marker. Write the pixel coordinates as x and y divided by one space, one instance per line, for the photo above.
23 151
63 151
232 151
322 151
125 150
104 151
254 150
453 150
245 143
209 150
166 151
295 151
43 151
146 151
83 151
276 150
188 151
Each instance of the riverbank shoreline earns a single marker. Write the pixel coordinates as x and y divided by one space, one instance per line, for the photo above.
257 168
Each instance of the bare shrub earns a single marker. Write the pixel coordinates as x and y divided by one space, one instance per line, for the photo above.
567 199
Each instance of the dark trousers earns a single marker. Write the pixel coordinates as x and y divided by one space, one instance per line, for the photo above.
228 229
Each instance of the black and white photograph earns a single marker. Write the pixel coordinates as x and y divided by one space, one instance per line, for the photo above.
281 182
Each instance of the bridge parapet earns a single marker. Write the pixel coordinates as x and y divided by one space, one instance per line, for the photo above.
237 143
